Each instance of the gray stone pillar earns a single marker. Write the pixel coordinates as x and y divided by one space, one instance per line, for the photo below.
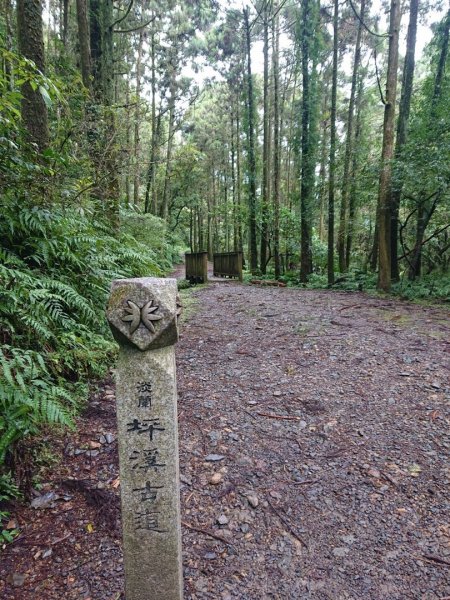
142 314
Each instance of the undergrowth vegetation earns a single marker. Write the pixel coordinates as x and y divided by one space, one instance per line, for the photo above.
55 270
433 287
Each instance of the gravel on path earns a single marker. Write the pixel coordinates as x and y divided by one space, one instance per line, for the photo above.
314 441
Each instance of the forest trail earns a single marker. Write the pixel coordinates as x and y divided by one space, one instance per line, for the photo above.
314 458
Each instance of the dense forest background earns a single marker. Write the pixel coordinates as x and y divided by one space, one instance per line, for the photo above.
306 133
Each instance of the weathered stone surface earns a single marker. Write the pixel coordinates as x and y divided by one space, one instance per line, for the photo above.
148 443
143 312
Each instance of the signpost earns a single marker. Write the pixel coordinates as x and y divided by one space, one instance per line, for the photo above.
142 314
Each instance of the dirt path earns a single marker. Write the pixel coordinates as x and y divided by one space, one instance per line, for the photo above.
314 448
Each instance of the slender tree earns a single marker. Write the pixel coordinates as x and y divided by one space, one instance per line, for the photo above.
387 153
253 250
276 142
402 127
84 44
137 162
31 45
308 19
332 169
349 146
266 143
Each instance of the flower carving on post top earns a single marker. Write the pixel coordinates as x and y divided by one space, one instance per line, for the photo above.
142 312
146 315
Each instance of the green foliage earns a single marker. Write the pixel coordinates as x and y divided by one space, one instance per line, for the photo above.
430 287
55 270
151 231
6 535
8 491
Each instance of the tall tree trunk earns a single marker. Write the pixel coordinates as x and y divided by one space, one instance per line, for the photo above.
65 21
209 245
151 199
332 183
349 148
101 39
352 196
128 142
102 128
402 127
307 163
384 194
233 182
266 145
84 43
225 203
441 64
425 211
150 192
324 184
167 172
253 250
276 145
238 175
137 116
7 11
31 45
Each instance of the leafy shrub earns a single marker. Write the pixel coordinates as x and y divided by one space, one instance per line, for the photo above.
435 286
55 270
152 231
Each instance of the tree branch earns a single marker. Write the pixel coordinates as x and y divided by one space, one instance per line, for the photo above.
120 19
380 35
378 78
433 235
135 28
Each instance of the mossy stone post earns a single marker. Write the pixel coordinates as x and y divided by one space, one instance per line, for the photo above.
142 314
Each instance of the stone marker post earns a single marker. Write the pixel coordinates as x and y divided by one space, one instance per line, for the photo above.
142 314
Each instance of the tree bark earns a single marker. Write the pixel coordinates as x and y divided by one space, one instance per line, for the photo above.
84 42
266 145
384 194
402 127
238 175
150 192
137 169
332 183
253 250
276 145
31 45
128 142
307 163
167 172
101 39
7 10
349 149
352 196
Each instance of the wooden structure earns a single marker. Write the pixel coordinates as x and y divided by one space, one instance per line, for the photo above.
196 264
228 264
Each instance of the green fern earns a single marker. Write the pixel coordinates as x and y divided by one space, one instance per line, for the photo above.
55 273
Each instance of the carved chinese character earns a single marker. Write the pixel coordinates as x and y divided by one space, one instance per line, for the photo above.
146 460
148 493
149 426
145 394
144 387
148 520
144 401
